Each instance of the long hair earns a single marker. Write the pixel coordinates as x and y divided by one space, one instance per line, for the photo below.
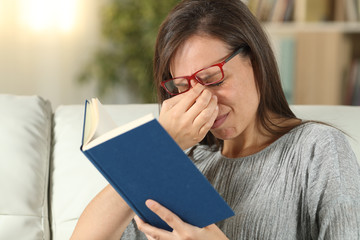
233 23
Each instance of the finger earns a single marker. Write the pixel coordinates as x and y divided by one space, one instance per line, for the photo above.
150 231
207 126
175 108
206 118
169 217
200 104
171 102
184 101
149 237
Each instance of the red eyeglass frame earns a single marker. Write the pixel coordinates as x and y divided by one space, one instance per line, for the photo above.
193 76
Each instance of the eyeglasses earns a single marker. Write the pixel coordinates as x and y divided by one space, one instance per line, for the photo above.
207 76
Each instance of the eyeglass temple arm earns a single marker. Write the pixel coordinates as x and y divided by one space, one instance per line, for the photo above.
234 54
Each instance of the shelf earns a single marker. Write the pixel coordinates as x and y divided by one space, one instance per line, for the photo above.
319 61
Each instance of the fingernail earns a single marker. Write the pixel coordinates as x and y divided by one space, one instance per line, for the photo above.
150 203
137 219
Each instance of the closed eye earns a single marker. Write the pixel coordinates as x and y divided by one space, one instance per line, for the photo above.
217 84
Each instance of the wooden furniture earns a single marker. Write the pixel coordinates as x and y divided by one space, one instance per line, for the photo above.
317 44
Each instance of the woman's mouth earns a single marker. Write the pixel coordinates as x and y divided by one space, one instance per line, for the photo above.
219 120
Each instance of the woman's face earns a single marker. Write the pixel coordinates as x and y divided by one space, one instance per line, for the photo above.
238 98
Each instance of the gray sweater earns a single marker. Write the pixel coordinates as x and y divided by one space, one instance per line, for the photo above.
305 185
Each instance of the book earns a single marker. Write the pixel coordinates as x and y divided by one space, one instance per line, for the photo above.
356 90
279 9
351 83
313 11
319 11
340 10
253 6
300 11
141 161
289 13
352 10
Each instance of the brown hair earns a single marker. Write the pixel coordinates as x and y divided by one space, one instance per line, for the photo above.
233 23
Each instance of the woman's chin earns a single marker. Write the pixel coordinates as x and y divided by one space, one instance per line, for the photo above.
223 134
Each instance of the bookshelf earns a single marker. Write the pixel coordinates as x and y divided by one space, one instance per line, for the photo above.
317 45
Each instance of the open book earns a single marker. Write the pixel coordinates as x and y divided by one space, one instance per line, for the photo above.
141 161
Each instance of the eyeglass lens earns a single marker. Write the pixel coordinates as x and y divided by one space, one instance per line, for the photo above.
206 76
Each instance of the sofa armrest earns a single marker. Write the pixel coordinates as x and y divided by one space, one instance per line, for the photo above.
25 127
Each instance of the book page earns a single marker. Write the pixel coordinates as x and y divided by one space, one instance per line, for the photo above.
105 121
90 123
118 131
97 121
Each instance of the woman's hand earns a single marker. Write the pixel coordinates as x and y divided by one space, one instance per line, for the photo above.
181 230
189 116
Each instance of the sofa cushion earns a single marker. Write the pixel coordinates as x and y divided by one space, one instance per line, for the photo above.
346 118
25 127
74 180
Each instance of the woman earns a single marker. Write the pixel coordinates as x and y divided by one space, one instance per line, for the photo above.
222 102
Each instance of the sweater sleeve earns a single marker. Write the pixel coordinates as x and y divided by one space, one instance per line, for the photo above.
333 188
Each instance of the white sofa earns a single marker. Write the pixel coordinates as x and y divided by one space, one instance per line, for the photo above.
46 182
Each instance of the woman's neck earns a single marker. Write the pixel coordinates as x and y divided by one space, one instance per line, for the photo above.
256 138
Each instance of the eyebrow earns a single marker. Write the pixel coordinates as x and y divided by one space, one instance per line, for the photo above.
206 66
209 76
227 58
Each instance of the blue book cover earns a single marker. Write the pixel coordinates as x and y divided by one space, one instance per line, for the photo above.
141 161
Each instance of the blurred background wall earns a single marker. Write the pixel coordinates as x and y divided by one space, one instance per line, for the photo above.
44 46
